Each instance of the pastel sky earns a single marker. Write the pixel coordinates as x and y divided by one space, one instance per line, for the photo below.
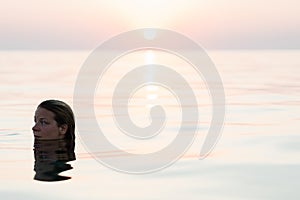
84 24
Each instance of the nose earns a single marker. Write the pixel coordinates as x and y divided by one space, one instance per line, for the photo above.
35 127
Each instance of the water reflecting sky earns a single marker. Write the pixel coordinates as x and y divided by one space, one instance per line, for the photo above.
257 157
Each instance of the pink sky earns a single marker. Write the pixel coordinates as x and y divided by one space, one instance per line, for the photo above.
73 24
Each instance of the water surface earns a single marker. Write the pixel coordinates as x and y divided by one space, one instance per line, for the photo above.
257 157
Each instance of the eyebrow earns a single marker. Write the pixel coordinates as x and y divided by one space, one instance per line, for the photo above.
41 118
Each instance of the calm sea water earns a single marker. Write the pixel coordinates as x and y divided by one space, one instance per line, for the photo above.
257 157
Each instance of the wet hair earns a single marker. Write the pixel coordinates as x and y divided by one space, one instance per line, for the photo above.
63 114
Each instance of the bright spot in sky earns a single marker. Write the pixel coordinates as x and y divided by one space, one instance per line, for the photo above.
149 34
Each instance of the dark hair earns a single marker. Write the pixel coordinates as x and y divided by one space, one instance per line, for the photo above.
63 115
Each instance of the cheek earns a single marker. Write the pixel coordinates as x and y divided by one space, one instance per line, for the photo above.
53 130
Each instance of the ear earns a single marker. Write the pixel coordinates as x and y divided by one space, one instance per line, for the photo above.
63 129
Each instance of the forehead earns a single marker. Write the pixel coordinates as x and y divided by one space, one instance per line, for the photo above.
43 113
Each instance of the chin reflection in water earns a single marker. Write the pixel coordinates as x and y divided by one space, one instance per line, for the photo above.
51 157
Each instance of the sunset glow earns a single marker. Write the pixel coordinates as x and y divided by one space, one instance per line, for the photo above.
84 24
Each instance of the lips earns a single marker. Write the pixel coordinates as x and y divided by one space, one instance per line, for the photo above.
35 135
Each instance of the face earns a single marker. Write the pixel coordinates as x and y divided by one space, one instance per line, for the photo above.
46 127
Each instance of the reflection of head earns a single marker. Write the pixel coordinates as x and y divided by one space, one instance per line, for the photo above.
63 115
51 157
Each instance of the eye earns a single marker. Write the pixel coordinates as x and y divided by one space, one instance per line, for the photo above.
43 122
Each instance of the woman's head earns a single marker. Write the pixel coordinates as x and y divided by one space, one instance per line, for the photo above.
54 119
